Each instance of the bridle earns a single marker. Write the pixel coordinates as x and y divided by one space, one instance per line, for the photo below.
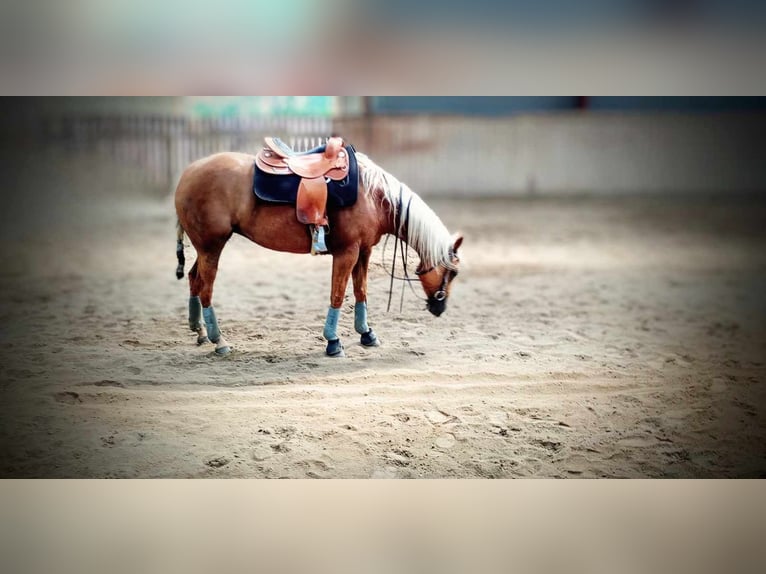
441 293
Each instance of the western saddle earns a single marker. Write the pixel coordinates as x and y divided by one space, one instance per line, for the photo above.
314 169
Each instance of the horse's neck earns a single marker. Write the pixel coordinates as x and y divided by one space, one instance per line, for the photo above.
393 214
403 212
398 212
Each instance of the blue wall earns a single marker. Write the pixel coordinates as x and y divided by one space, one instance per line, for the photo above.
471 105
506 105
676 103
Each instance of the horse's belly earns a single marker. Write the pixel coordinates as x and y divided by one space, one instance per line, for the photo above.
288 245
277 228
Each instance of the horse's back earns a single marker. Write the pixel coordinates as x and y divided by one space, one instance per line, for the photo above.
215 188
223 170
224 164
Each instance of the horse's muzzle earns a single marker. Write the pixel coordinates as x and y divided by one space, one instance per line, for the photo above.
436 306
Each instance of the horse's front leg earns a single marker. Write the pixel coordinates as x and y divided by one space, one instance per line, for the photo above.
359 275
342 263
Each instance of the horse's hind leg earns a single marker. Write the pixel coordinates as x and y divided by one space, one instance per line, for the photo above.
196 323
202 286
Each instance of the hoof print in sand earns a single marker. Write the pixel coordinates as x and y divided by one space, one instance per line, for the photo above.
68 397
217 462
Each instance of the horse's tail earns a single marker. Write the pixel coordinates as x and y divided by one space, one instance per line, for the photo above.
180 250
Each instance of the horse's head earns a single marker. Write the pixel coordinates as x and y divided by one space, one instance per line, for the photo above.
437 281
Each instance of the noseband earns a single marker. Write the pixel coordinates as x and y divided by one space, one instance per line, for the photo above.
441 293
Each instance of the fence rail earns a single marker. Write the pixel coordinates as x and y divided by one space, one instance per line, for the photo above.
160 147
522 155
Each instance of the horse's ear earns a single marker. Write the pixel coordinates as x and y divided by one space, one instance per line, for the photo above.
457 241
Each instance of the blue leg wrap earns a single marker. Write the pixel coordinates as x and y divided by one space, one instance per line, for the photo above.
360 318
369 339
195 313
334 346
211 322
331 324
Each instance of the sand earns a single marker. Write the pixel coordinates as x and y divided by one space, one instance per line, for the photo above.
586 337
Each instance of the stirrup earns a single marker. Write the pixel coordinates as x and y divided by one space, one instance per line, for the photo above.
318 245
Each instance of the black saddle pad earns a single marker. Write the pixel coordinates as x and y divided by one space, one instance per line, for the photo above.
283 189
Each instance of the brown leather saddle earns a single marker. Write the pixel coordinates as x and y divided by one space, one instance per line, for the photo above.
314 169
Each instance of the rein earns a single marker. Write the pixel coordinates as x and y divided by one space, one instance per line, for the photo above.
404 249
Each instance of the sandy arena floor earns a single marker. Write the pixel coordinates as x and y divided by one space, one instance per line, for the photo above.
584 338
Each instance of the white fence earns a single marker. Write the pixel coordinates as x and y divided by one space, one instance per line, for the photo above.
561 153
160 147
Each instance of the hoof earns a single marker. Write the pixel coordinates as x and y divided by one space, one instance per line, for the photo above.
202 340
223 351
370 339
335 349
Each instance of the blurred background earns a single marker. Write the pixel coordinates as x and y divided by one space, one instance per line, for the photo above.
615 47
450 145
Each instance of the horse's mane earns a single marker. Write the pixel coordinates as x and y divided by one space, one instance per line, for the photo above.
426 233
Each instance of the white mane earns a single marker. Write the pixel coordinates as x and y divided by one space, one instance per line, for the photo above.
425 232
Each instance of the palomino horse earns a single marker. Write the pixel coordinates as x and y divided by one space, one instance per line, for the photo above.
215 199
